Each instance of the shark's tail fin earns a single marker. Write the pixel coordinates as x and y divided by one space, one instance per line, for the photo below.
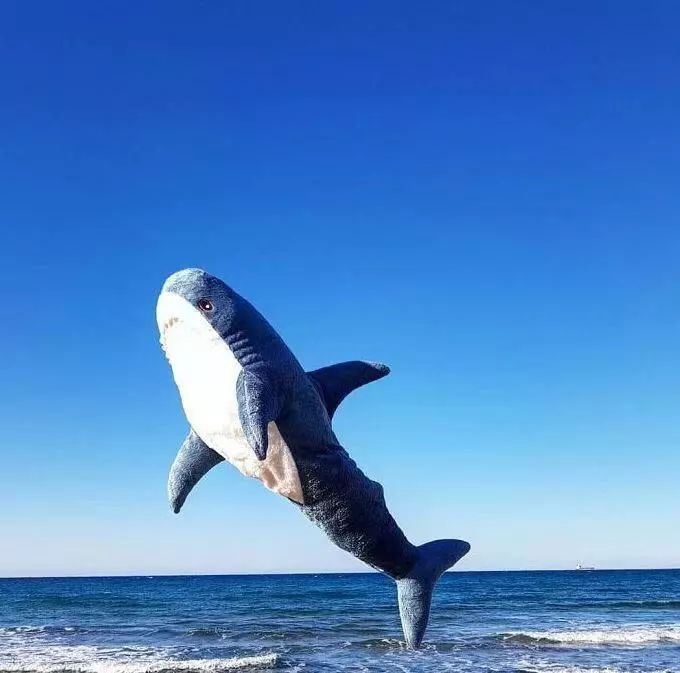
415 590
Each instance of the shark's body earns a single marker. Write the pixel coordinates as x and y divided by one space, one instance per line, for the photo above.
249 401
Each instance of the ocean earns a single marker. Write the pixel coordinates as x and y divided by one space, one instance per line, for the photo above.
555 622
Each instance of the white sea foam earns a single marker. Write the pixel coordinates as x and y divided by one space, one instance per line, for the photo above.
186 665
87 659
625 635
552 667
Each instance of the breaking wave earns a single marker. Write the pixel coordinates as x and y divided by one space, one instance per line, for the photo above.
88 659
550 667
642 635
263 661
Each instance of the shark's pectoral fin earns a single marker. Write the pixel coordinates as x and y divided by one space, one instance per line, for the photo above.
258 405
193 460
334 383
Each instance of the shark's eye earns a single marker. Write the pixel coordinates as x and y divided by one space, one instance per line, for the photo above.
205 305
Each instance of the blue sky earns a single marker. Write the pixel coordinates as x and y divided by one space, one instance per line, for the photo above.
482 195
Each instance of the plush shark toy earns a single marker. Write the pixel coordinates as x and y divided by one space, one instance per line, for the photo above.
248 400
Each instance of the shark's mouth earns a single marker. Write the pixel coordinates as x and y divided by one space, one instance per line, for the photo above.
176 316
164 329
181 324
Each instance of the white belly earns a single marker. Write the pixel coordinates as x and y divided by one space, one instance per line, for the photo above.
206 372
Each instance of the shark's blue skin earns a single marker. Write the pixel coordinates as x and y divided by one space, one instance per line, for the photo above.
271 389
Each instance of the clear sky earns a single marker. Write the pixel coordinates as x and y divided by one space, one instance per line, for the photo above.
482 195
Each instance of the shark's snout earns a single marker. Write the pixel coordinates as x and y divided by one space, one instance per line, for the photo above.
185 279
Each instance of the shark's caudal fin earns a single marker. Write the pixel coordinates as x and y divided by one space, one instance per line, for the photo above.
334 383
415 590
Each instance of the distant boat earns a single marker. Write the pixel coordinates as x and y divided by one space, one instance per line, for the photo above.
582 567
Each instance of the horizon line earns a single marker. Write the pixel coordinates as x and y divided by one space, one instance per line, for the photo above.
321 572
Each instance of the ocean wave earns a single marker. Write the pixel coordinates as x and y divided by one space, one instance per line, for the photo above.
208 632
550 667
12 630
130 659
627 604
108 600
481 606
380 643
262 661
625 636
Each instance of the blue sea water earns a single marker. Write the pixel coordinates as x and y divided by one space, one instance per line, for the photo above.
534 622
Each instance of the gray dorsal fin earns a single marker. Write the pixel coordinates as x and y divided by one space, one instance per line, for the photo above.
334 383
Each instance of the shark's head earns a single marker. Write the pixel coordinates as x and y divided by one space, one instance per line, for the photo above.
197 303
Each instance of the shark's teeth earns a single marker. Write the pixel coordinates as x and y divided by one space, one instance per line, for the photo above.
170 322
196 328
